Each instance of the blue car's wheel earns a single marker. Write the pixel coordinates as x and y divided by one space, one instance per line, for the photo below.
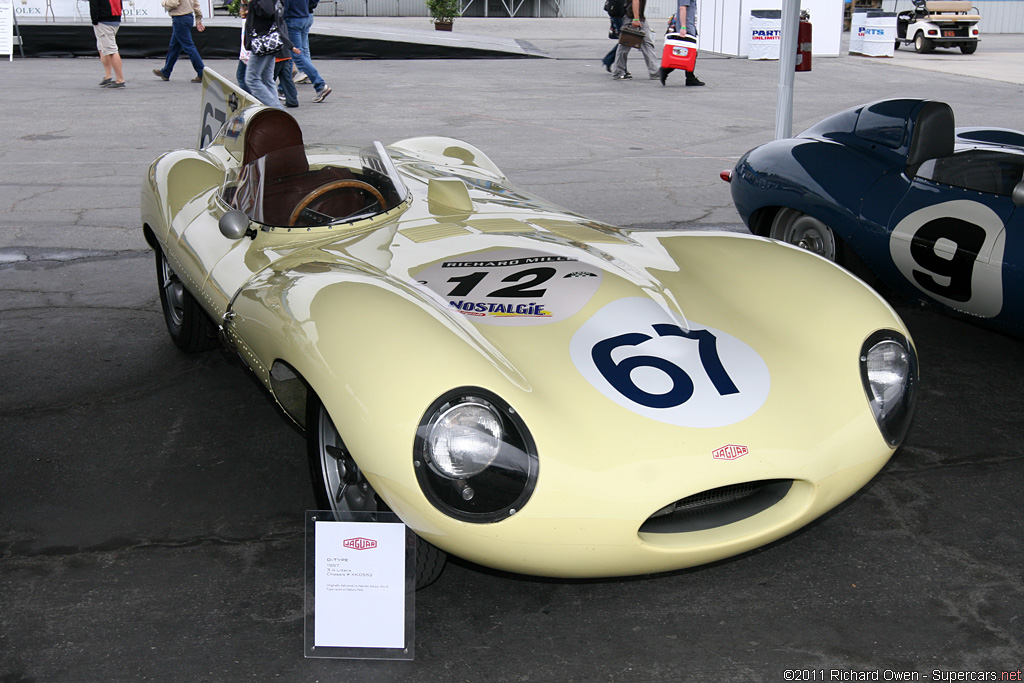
806 232
339 485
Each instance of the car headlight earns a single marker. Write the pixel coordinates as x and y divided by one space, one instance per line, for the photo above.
474 458
888 368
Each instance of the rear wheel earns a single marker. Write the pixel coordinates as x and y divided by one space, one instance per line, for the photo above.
339 485
806 232
189 326
968 48
923 44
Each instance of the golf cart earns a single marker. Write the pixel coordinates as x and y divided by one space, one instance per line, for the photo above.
939 23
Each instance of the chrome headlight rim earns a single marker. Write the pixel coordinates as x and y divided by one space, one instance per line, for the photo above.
892 423
498 490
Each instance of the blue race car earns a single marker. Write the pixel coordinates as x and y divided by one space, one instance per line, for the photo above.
930 209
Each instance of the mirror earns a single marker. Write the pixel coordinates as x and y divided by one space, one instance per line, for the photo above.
1018 194
235 225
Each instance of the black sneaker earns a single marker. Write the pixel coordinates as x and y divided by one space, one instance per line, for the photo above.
693 80
104 82
114 85
623 77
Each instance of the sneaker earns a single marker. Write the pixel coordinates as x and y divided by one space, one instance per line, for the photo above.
197 79
291 106
322 93
114 85
623 77
104 82
160 74
301 78
693 80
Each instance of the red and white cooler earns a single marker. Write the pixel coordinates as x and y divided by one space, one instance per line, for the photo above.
680 52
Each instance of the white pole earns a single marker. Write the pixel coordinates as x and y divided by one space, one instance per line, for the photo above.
787 68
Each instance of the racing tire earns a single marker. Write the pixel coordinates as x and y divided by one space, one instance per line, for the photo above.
190 328
807 232
922 44
339 485
968 48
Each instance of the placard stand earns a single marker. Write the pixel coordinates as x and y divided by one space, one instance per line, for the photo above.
360 586
9 31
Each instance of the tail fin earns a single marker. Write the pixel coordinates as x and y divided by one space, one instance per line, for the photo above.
221 99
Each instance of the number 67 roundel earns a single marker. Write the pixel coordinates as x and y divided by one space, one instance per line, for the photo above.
679 372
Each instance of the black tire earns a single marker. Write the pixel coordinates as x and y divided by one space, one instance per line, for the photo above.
968 48
190 328
922 44
333 470
806 232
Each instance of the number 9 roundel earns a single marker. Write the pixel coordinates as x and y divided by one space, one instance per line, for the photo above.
639 355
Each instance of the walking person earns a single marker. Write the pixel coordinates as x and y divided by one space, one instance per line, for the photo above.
635 15
286 89
182 13
243 54
616 10
687 18
106 19
298 16
266 17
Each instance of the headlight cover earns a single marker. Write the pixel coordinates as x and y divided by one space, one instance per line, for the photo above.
474 458
888 369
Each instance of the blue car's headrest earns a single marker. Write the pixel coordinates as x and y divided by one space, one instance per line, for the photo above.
933 134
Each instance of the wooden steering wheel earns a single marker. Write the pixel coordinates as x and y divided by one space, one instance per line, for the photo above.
331 187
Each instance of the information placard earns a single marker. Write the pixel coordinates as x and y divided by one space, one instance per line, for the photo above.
360 586
7 28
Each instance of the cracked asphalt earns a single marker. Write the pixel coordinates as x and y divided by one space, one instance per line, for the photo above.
151 503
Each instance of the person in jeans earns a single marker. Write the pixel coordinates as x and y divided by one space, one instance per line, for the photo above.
259 72
298 16
182 13
636 17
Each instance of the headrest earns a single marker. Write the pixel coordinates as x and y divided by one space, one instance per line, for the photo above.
270 130
933 135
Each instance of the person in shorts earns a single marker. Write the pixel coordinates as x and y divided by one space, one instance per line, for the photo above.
106 19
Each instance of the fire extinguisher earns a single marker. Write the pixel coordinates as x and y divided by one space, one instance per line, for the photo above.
803 42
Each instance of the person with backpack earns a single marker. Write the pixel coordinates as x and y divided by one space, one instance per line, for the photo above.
616 10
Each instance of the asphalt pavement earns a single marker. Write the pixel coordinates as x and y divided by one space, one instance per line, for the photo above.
151 503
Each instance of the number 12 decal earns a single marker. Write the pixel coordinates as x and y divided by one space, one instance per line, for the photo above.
691 376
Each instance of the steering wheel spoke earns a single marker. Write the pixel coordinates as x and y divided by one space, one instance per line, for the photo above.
302 208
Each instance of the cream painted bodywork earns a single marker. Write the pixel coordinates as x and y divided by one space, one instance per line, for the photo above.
342 305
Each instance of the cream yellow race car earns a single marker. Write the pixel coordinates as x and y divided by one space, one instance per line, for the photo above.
524 387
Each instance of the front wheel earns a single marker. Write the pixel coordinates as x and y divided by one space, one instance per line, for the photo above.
190 328
806 232
339 485
923 44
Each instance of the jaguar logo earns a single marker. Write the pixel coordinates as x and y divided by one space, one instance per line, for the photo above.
360 543
730 452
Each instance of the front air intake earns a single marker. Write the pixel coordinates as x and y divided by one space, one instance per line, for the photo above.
717 507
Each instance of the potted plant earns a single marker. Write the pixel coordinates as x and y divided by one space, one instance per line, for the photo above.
443 12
